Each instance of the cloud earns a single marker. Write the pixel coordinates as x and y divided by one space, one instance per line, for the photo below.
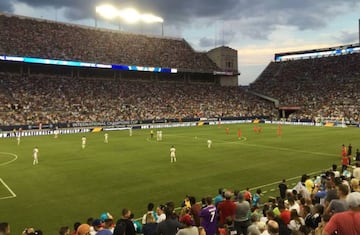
205 42
254 19
256 28
6 6
346 37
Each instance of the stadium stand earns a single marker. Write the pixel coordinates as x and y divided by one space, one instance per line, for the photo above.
54 99
49 94
46 39
320 87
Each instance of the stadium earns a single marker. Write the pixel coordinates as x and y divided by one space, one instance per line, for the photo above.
62 82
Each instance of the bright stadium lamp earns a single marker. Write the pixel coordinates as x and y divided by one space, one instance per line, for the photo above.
130 15
107 11
149 18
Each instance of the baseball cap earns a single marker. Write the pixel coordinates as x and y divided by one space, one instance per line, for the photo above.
97 223
353 199
105 215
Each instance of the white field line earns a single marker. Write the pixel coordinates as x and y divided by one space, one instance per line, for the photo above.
10 161
9 189
2 181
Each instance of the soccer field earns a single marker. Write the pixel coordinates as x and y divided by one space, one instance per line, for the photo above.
71 184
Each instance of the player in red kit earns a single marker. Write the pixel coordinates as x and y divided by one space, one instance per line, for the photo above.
344 162
239 133
279 131
343 151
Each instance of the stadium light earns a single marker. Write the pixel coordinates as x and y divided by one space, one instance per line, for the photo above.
149 18
107 11
129 15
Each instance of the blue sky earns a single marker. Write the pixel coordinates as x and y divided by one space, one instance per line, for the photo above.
256 28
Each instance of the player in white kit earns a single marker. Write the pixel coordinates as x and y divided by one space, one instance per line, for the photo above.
172 154
18 138
35 156
56 132
106 138
209 143
83 142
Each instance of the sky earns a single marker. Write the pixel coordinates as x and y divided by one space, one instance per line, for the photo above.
257 29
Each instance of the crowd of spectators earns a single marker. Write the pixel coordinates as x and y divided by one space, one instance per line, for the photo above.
323 204
33 99
52 99
322 87
22 36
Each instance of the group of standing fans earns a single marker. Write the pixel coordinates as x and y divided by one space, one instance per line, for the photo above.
323 204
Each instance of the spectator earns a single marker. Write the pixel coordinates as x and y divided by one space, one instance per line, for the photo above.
83 229
188 228
209 217
65 230
150 210
295 221
5 228
226 208
347 222
170 225
242 212
124 226
150 226
76 225
195 210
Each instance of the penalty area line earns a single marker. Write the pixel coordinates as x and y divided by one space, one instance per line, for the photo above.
9 189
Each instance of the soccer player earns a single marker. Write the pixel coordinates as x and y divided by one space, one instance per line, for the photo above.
56 132
349 150
18 138
172 154
227 130
239 133
151 134
130 131
279 130
35 156
209 143
343 150
83 142
159 135
106 138
344 162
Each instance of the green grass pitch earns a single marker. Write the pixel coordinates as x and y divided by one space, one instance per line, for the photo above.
71 184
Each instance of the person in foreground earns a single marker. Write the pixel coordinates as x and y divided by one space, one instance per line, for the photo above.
347 222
